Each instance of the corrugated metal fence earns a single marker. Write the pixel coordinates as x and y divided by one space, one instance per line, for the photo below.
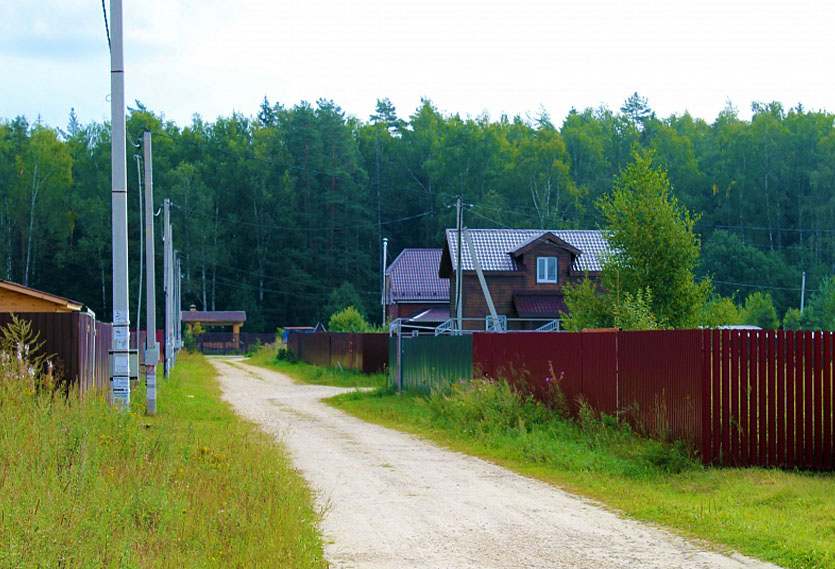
768 398
77 344
431 362
365 352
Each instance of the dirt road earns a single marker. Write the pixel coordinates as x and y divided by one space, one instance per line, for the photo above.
395 501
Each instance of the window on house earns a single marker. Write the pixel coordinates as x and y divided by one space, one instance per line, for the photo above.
546 269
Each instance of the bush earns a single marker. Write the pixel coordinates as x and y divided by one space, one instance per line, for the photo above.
348 320
285 355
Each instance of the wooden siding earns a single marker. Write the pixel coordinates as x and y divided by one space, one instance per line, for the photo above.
11 301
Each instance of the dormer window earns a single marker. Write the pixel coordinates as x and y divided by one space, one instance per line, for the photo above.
546 269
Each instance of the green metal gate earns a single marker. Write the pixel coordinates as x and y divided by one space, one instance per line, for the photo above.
431 362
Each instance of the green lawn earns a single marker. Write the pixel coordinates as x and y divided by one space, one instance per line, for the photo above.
784 517
84 485
306 373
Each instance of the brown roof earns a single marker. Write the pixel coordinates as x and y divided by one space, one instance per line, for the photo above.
541 305
214 316
45 296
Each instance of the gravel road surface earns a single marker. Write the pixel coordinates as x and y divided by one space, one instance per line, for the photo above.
392 500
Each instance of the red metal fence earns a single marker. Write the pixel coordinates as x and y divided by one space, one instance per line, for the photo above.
652 379
768 398
367 353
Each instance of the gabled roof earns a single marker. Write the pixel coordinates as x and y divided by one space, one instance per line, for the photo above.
496 247
214 316
59 301
413 275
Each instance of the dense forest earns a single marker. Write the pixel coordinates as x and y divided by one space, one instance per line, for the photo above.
273 212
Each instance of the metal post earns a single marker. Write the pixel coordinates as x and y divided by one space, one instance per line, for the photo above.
459 290
383 279
151 355
120 358
803 292
166 261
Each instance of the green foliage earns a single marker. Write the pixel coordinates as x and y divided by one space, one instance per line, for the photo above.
342 297
820 312
587 307
793 320
348 320
720 311
193 486
759 310
634 312
654 247
285 362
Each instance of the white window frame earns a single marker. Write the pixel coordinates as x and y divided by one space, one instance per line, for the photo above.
542 270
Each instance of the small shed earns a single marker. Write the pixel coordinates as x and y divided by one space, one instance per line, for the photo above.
15 297
212 318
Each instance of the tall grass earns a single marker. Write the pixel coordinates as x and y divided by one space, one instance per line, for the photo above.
784 517
84 485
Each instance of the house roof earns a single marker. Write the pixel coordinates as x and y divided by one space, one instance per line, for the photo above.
430 315
60 301
413 275
214 316
539 305
496 247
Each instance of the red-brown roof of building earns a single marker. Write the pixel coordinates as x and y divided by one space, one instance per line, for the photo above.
539 305
214 316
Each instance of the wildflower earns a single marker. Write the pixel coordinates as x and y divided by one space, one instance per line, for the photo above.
548 380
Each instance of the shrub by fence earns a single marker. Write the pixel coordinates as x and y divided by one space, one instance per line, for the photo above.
365 352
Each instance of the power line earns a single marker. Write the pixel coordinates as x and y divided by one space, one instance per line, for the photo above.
106 27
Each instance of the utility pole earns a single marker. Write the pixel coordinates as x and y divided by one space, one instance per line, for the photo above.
803 292
166 268
383 278
151 355
120 350
177 304
458 280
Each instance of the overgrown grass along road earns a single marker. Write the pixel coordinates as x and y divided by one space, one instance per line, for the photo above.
784 517
266 357
84 485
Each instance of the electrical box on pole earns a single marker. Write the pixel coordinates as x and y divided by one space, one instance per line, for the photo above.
120 369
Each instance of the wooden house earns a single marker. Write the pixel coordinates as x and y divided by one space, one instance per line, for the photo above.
525 271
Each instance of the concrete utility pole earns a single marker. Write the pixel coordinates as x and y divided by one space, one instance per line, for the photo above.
120 350
151 355
166 262
802 292
383 278
458 279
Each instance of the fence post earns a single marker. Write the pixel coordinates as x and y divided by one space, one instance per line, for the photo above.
399 358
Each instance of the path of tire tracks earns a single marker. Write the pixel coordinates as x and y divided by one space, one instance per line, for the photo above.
393 500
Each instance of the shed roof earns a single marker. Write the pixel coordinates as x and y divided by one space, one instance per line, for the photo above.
59 301
413 275
214 316
495 247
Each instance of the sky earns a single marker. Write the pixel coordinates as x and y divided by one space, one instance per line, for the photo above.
469 57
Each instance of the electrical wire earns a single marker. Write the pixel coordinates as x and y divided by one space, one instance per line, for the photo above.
106 26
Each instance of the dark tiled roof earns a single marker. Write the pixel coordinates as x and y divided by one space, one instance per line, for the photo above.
413 275
494 247
539 305
431 315
210 316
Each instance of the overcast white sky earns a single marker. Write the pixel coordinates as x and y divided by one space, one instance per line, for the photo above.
212 57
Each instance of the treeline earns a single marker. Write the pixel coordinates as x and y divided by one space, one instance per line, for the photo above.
274 212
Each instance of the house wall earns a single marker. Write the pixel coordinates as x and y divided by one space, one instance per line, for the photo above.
11 301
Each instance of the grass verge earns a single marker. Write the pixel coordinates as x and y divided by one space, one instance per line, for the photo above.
84 485
787 518
266 357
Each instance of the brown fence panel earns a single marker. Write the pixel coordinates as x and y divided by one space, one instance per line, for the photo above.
375 353
316 349
341 349
660 378
600 370
530 358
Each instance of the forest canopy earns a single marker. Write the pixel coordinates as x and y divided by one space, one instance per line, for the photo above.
273 212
